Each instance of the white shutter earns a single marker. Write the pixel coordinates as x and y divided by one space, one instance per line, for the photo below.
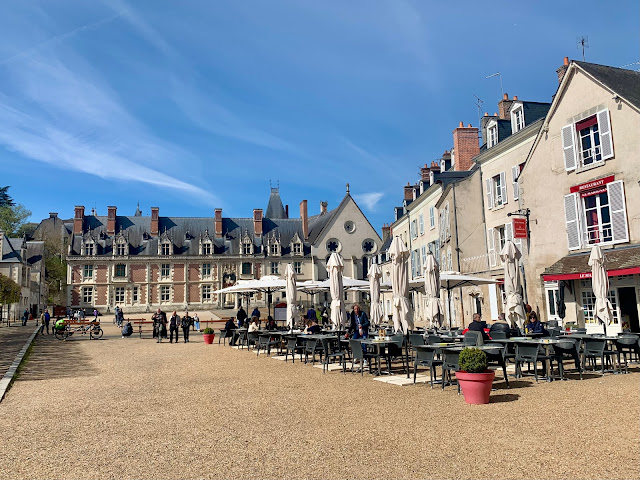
617 204
569 148
515 172
508 231
604 127
448 224
491 247
489 185
571 214
503 187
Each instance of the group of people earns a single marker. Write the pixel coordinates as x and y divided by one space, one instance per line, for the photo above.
175 322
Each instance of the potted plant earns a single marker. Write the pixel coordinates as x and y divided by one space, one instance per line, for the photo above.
208 334
475 380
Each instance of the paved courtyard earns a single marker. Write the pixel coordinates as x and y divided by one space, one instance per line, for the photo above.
130 408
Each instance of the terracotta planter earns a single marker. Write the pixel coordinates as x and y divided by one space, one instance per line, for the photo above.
208 338
476 387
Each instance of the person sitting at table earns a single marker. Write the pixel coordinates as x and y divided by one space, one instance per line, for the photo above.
533 324
478 326
314 329
254 326
271 323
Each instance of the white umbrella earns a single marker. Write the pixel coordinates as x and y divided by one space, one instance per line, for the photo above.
376 311
402 314
603 310
338 312
513 306
433 310
292 296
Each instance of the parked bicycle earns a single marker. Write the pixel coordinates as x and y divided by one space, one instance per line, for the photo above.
63 330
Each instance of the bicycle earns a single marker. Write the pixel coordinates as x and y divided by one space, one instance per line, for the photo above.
93 329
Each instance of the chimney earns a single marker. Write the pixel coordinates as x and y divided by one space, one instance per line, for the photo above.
466 146
111 220
218 219
305 219
323 207
286 211
408 192
155 228
563 69
53 214
78 220
504 105
424 172
386 231
257 222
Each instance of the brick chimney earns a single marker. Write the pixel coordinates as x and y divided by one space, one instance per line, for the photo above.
466 146
257 222
504 105
53 215
111 220
386 231
424 172
305 219
78 220
562 70
408 192
218 219
155 227
323 207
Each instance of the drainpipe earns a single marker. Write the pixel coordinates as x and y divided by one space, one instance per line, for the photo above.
455 220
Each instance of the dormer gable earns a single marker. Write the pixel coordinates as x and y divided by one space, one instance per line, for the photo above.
165 244
205 246
246 243
296 245
274 247
89 244
121 244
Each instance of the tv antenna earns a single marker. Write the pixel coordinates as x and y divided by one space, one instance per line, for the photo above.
479 103
630 64
582 43
497 74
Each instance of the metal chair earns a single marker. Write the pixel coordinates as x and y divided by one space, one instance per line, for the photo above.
331 347
311 347
265 342
426 356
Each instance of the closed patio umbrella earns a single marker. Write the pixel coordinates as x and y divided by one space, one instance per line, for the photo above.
376 312
402 313
338 312
603 310
433 310
292 296
513 306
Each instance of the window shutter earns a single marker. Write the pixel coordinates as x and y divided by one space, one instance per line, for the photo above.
619 227
515 172
604 127
572 218
489 193
491 247
568 148
508 231
448 223
503 187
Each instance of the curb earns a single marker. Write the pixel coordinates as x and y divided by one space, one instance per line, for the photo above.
6 380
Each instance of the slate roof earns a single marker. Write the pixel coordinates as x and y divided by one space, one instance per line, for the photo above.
274 207
625 83
35 253
534 111
616 259
11 249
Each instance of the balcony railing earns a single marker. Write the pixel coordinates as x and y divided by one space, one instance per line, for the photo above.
598 234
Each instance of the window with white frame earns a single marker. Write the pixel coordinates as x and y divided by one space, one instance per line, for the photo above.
135 295
297 268
496 190
589 302
87 272
423 251
247 248
421 223
492 135
118 295
587 142
206 248
297 248
449 260
165 249
445 231
597 216
517 118
165 270
274 268
274 249
414 228
246 268
87 295
120 270
121 249
432 218
89 248
206 270
165 293
206 293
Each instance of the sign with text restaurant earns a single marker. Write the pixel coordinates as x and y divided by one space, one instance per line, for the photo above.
519 228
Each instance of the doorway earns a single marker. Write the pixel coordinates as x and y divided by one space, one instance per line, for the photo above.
629 307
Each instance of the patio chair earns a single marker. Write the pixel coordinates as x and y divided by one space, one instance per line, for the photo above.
241 339
416 339
472 338
332 349
294 345
627 345
265 342
311 347
595 348
530 353
426 356
552 323
554 332
431 339
223 335
498 335
497 356
358 354
252 339
567 349
581 330
450 362
396 350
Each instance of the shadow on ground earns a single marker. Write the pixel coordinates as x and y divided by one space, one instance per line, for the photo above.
50 358
506 397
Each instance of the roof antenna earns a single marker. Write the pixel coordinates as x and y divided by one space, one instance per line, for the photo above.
500 76
582 42
479 103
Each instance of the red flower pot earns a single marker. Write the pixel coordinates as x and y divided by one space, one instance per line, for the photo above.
208 338
476 387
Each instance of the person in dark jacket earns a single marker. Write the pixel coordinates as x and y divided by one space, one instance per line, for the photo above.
533 324
271 323
478 326
229 327
186 324
241 316
174 323
359 323
314 329
256 313
159 322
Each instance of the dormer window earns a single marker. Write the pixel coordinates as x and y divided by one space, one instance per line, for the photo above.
247 248
297 248
492 134
517 118
121 246
206 244
206 248
273 247
165 248
89 248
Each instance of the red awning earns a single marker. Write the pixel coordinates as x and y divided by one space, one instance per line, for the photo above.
580 276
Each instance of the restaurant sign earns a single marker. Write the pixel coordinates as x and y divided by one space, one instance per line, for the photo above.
519 228
593 185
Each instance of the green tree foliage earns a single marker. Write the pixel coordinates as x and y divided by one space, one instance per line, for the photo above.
5 199
9 291
55 272
12 219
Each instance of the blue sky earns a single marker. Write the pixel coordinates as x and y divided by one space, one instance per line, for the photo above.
195 105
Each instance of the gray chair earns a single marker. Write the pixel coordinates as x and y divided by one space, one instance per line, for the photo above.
426 356
472 338
265 342
497 356
332 350
530 353
311 347
252 339
594 349
567 350
358 354
627 345
416 339
498 335
294 345
431 339
450 362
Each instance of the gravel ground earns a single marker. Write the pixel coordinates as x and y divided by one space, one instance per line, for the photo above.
130 408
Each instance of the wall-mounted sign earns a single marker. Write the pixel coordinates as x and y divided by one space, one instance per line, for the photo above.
519 228
594 185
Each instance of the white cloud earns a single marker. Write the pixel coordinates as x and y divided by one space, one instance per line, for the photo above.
369 199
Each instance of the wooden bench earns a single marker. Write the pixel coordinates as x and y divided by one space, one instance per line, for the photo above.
143 326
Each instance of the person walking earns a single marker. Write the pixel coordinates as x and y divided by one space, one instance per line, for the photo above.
116 316
120 318
47 319
174 322
95 314
196 322
25 317
311 313
241 316
186 324
159 321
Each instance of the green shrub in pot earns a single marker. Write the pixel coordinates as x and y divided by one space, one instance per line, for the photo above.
473 360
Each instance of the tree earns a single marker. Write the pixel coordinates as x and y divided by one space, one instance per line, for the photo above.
55 272
5 199
12 218
9 291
